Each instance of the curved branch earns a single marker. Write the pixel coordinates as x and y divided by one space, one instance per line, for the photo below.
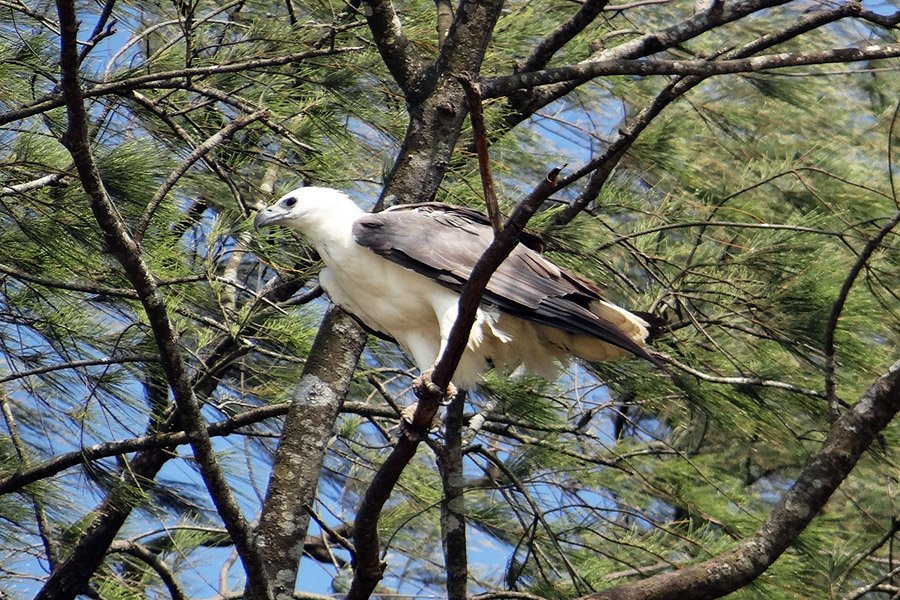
199 152
848 438
838 306
154 562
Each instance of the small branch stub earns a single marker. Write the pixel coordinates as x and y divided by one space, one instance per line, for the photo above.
479 132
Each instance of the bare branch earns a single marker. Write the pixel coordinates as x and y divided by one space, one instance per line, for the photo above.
77 364
847 440
72 286
101 30
544 50
502 86
398 54
476 114
740 380
45 181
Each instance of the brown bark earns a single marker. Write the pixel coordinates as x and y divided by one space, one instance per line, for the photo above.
848 438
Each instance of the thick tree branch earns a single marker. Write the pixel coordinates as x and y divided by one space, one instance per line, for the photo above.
544 50
524 105
453 506
368 568
848 438
127 252
398 54
309 425
436 116
502 86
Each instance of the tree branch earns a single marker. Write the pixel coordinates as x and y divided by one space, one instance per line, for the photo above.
127 252
368 568
838 306
501 86
309 425
122 86
453 506
848 438
544 50
199 152
601 167
45 181
398 54
154 562
479 132
524 105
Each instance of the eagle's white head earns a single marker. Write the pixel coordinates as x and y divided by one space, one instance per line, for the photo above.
321 214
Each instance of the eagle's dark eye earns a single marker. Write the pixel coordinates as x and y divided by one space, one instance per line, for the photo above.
290 202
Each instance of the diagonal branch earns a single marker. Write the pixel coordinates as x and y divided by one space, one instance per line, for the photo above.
848 438
199 152
152 560
601 167
127 252
368 568
838 306
397 52
562 35
524 105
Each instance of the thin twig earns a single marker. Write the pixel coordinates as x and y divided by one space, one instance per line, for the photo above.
199 152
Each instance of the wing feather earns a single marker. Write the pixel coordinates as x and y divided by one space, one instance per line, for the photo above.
444 242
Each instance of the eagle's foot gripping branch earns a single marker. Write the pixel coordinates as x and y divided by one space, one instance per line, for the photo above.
421 417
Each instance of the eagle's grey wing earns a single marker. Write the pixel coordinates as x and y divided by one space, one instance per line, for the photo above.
444 242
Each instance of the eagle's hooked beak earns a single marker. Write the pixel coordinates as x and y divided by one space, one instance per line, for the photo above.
270 215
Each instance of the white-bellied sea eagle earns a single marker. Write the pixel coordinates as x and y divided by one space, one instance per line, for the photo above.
400 272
